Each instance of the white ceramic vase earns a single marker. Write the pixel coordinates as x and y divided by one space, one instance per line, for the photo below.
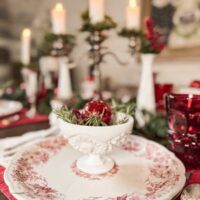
146 93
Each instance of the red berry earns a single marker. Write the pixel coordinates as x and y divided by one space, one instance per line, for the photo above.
158 47
76 112
100 108
150 24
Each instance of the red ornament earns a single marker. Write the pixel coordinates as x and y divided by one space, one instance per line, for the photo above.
100 108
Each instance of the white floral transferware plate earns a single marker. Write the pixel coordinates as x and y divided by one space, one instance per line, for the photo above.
8 107
144 170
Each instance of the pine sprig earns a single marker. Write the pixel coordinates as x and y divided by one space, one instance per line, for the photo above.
121 121
127 108
67 115
94 120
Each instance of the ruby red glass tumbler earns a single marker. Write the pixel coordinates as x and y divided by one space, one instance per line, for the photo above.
183 113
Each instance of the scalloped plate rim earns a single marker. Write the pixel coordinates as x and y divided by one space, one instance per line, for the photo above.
20 196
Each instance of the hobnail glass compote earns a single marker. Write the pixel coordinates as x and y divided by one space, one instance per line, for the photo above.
96 142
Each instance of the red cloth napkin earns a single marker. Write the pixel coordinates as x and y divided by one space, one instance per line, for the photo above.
25 120
3 187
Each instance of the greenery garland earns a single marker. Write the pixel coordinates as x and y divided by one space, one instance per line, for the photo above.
128 33
155 128
88 26
46 48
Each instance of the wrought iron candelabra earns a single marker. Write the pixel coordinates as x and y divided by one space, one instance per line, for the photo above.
97 51
57 45
133 36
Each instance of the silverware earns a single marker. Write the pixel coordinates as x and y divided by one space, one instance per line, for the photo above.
12 150
191 192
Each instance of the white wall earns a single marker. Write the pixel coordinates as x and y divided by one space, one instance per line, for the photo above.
178 72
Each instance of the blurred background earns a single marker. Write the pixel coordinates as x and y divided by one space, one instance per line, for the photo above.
178 64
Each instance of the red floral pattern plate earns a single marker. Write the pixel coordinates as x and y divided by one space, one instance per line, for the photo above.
144 170
8 107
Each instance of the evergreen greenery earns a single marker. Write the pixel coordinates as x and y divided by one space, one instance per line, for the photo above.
88 26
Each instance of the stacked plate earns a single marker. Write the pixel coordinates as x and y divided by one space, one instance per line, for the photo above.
144 170
9 107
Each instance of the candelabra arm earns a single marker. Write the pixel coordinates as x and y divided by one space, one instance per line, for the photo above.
115 57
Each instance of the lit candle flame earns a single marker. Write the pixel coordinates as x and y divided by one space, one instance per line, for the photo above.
132 3
59 7
26 32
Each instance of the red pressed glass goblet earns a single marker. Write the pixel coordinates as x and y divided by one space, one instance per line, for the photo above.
183 112
160 91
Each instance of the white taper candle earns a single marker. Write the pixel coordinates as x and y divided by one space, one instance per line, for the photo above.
26 46
96 10
133 15
59 20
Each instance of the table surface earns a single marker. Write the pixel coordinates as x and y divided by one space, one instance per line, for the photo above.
19 130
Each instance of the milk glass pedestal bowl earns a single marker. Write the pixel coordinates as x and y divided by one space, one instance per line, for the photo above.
96 142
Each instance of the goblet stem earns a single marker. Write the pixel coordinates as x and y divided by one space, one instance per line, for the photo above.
95 160
95 164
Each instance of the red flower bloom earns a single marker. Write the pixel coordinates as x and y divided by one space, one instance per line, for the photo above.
158 47
151 37
150 24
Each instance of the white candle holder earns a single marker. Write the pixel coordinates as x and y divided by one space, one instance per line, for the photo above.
31 82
